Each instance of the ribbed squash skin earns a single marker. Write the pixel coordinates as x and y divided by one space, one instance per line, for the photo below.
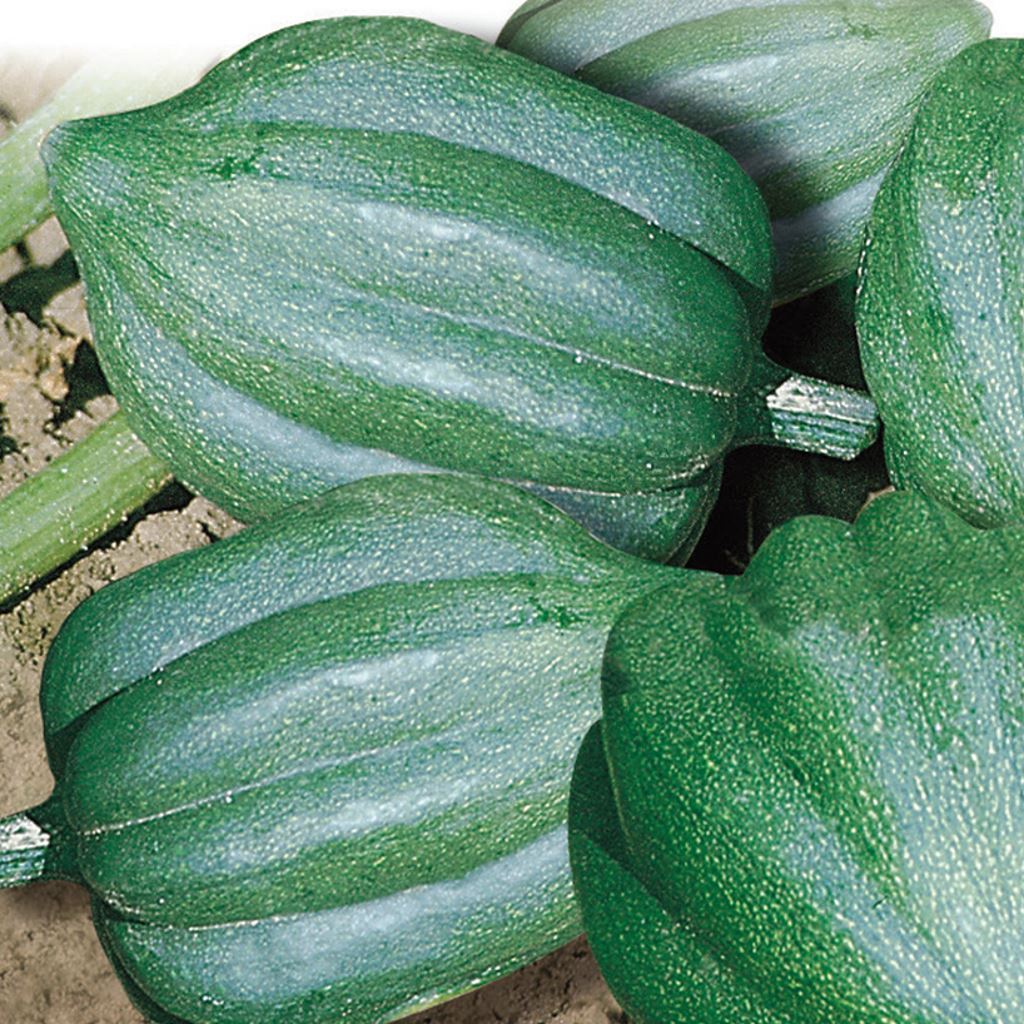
813 97
318 772
939 312
803 803
374 245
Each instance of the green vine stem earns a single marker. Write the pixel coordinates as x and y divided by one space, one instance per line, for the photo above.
73 501
102 85
784 409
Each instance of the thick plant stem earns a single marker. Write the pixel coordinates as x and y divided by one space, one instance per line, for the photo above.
73 501
30 847
788 410
102 85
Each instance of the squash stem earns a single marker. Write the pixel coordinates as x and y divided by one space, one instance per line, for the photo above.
30 847
788 410
102 85
73 501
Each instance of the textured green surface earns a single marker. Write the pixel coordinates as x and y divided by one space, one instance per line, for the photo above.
812 97
319 771
939 314
374 245
804 799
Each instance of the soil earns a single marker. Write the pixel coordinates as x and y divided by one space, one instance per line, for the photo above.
52 970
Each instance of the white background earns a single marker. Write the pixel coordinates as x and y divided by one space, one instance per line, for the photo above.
217 28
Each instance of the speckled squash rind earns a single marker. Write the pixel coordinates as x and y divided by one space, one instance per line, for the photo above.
942 291
812 97
375 245
318 772
802 801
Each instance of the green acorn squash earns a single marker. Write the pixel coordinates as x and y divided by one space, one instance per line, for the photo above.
939 311
318 772
803 803
812 97
374 245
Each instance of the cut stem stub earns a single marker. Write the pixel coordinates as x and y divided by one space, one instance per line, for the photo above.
788 410
31 849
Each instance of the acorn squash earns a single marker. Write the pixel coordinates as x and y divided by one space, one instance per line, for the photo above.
942 289
803 803
318 771
813 97
371 246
